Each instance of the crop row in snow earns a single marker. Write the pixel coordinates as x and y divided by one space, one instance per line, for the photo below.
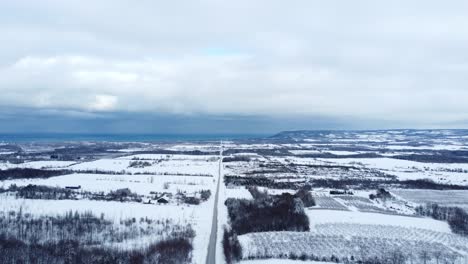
392 232
310 245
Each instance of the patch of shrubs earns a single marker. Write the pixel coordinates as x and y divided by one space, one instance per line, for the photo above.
191 200
121 195
303 194
196 199
381 193
139 164
205 195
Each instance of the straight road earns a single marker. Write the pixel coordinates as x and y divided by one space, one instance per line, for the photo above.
211 256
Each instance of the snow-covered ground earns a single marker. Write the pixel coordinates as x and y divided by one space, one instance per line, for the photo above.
281 261
169 174
317 217
121 166
431 147
141 184
43 164
304 151
239 193
446 197
199 216
451 173
158 164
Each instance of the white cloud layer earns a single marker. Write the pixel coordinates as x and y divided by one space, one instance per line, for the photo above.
395 60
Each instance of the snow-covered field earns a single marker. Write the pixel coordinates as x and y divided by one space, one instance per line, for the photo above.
44 164
449 173
317 217
239 193
199 216
445 197
158 164
167 174
319 246
281 261
141 184
347 234
340 225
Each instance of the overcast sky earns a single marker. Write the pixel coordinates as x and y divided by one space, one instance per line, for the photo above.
266 65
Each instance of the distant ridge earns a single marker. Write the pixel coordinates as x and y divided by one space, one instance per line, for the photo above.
321 134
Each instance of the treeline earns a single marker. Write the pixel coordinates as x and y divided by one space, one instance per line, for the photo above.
260 181
327 155
376 184
26 173
236 158
456 217
200 196
261 152
177 152
265 212
343 183
456 156
124 172
43 192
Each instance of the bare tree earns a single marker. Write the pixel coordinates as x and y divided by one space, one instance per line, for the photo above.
437 255
364 252
424 256
397 257
449 258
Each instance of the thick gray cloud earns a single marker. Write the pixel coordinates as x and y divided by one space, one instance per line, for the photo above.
400 61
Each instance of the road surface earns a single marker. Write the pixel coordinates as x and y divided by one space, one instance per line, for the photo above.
211 256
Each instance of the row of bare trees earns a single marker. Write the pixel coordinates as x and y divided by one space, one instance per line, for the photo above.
78 238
